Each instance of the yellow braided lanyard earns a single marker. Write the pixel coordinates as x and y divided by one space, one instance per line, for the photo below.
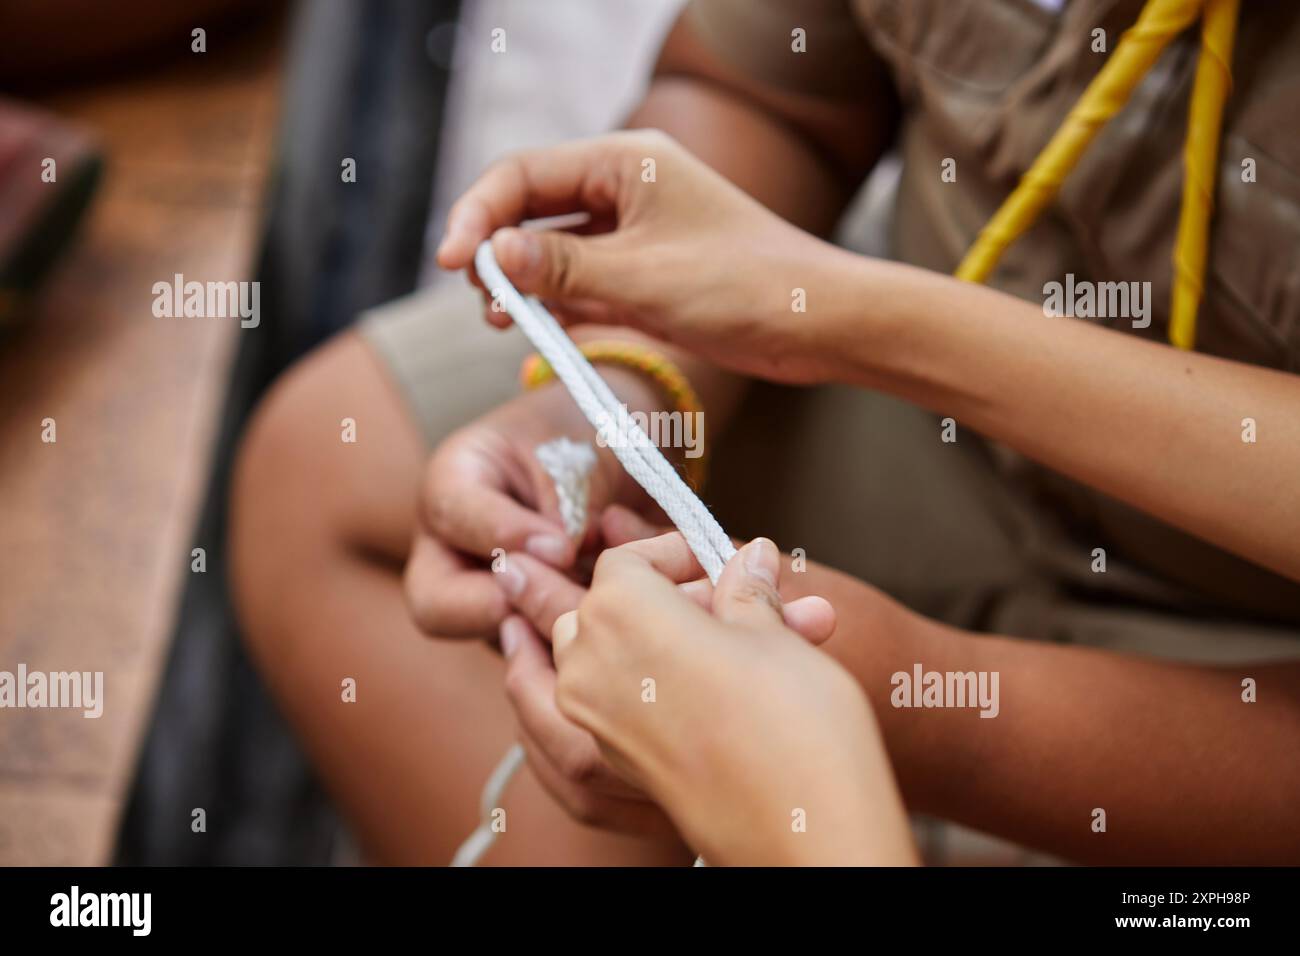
1140 46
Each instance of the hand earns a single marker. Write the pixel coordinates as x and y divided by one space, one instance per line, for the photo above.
688 258
565 757
485 494
734 725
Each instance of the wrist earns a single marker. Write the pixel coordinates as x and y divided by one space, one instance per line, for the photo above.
780 809
855 329
638 393
655 394
903 330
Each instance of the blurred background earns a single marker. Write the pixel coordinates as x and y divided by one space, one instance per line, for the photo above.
218 160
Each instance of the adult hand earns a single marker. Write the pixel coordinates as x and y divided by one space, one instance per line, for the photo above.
564 756
760 749
671 248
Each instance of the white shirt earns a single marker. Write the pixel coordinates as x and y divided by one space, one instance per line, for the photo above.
569 69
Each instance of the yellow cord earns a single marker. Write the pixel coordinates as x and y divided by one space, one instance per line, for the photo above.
1159 22
1200 166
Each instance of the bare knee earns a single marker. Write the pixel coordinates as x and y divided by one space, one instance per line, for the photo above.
326 467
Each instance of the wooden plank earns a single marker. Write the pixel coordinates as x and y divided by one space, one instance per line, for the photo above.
96 527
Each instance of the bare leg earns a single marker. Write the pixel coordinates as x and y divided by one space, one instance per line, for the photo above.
319 534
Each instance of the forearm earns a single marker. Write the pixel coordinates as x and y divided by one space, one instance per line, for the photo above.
1185 770
1156 427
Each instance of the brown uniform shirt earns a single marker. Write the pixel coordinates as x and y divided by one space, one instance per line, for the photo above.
986 83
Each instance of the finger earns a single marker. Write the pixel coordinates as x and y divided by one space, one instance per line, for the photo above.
537 591
701 592
583 176
465 510
812 618
493 309
448 598
573 312
620 525
563 634
500 320
746 591
562 265
639 817
530 687
668 554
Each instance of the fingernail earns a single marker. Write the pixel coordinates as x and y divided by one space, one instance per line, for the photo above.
551 548
511 579
762 560
510 636
564 629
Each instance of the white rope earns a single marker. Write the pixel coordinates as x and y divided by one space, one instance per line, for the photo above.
485 834
634 450
622 435
569 464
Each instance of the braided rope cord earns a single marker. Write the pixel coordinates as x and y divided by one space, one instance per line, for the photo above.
634 450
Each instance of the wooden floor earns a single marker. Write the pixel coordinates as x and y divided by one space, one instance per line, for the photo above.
95 528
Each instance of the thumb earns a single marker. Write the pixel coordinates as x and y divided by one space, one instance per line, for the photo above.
746 591
556 265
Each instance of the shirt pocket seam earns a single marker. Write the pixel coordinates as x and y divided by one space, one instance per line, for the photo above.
1229 282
